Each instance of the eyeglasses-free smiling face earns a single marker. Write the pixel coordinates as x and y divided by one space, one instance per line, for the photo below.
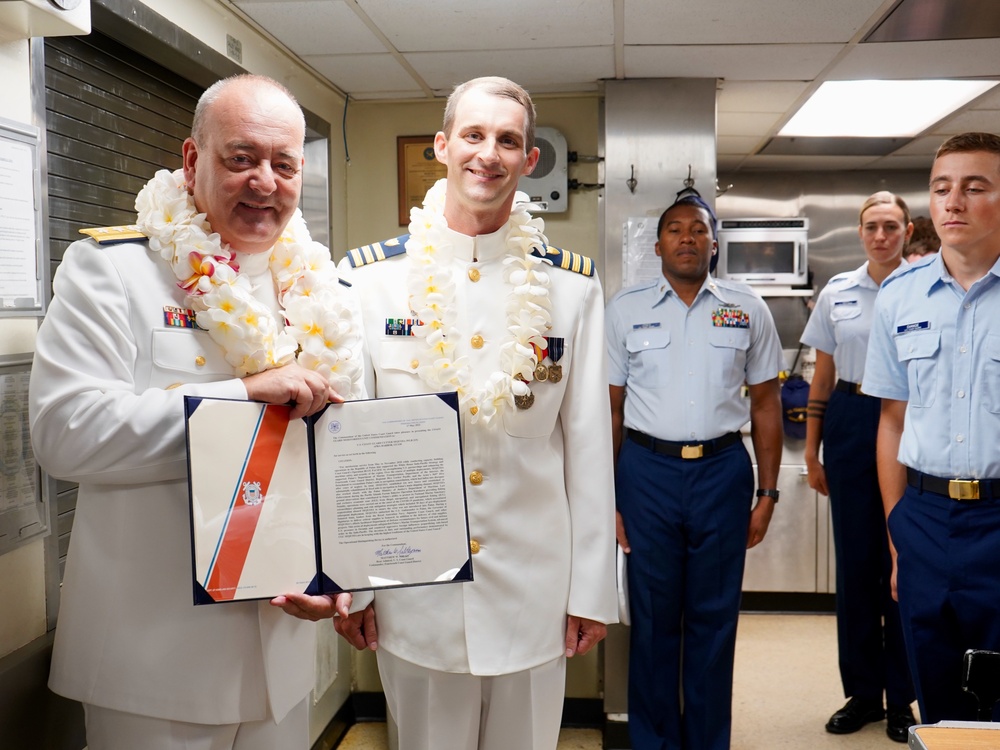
485 154
246 172
965 200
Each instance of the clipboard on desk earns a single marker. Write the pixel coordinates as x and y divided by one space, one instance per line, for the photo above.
363 495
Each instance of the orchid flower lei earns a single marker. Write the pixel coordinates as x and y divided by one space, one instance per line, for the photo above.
320 333
432 298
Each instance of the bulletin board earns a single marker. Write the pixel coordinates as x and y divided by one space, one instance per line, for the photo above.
23 515
21 230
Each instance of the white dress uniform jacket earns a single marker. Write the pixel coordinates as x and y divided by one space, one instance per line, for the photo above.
106 406
542 515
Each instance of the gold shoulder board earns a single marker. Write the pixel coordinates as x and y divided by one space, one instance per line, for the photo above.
114 235
565 259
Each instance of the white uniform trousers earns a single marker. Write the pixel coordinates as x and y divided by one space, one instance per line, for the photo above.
114 730
453 711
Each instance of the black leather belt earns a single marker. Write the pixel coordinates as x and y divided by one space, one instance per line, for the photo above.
956 489
848 387
679 449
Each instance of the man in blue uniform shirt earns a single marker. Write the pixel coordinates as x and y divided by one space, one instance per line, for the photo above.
934 360
680 349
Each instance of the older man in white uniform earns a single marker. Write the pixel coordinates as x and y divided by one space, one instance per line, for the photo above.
475 301
115 356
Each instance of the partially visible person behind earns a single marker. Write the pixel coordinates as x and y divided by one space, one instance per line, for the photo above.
934 360
115 356
923 241
680 349
845 422
475 300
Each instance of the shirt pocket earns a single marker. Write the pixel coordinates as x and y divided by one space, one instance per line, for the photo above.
397 362
727 357
648 356
990 380
539 420
186 355
918 352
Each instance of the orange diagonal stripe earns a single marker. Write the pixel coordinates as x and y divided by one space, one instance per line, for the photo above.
242 522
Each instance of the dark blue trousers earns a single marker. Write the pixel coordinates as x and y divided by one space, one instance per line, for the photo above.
949 593
687 523
869 637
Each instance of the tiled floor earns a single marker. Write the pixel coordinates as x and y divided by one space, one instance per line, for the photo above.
786 686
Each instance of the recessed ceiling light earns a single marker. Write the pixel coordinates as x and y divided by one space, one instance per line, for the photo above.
881 109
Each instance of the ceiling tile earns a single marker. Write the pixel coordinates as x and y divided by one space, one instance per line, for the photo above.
758 96
968 57
723 21
985 120
802 163
452 25
745 62
735 144
746 123
365 74
313 27
536 70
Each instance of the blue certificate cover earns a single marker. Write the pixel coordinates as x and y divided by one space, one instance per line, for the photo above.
364 495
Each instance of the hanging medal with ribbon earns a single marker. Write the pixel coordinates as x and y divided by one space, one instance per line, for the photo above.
556 347
525 400
541 371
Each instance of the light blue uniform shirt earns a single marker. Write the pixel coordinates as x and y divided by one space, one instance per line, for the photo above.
937 347
842 319
683 368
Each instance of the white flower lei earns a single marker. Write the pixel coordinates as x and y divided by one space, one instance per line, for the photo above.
432 299
320 333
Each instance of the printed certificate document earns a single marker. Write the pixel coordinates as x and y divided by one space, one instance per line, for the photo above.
364 495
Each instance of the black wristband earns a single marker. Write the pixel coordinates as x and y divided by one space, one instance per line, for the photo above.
769 493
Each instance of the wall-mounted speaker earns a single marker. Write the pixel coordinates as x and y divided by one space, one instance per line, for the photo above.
547 186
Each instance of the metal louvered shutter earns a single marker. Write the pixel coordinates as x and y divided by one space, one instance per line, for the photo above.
112 119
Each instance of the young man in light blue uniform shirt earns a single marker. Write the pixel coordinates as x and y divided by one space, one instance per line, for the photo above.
934 360
680 349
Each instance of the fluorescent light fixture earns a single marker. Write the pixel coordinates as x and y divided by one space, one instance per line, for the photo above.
880 109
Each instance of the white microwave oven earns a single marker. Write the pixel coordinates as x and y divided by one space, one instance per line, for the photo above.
764 251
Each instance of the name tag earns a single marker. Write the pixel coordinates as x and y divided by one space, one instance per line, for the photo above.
638 326
845 302
923 325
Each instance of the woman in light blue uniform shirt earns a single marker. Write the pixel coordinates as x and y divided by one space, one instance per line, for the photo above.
870 643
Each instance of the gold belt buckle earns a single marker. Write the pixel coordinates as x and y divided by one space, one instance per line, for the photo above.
857 389
963 489
692 451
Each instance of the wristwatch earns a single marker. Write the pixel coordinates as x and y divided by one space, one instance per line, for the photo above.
769 493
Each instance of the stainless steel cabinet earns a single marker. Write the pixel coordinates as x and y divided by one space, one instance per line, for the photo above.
795 554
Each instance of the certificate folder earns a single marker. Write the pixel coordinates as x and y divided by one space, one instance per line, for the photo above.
363 495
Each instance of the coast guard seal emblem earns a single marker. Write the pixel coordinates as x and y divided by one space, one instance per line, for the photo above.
252 494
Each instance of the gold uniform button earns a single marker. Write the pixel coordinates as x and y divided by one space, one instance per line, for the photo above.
473 546
474 274
476 477
414 364
477 342
199 360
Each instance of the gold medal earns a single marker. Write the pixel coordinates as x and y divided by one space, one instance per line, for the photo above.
541 372
555 373
525 401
